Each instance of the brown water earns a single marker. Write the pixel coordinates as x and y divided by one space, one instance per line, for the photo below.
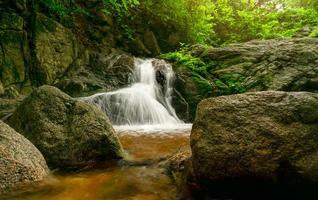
122 182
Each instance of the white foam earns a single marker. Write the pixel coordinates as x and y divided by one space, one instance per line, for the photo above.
145 105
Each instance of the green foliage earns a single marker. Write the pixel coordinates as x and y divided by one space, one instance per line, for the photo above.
314 33
55 7
244 20
213 22
204 87
200 72
62 8
191 17
185 59
219 22
119 8
230 86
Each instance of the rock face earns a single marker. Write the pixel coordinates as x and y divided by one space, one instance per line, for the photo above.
190 89
38 48
256 138
55 47
68 132
104 70
260 65
20 161
283 65
13 48
8 106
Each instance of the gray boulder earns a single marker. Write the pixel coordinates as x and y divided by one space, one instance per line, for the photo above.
20 161
263 137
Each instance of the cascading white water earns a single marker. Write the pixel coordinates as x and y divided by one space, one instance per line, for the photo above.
145 102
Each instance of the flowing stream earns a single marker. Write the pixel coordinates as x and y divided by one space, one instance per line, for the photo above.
148 128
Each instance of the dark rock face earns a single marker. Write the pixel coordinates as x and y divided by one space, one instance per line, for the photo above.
97 70
13 49
68 132
160 67
20 161
37 48
190 89
56 49
263 137
8 106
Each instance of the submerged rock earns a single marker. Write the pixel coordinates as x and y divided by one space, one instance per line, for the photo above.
256 138
20 161
69 133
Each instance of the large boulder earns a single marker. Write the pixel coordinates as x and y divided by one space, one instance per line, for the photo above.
256 138
69 133
20 161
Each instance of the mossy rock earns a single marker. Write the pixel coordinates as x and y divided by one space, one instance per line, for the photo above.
56 49
1 89
70 133
258 65
192 87
11 21
12 57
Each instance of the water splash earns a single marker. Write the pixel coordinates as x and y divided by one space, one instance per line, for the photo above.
146 102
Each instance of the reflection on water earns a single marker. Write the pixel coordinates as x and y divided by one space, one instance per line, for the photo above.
138 182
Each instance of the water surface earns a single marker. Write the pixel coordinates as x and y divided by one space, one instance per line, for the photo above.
120 182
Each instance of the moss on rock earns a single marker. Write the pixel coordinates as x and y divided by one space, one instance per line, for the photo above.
69 133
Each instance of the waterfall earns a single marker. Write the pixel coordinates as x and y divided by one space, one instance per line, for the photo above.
147 101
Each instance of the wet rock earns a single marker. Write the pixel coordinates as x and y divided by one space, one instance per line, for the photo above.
20 161
249 141
181 106
68 132
160 67
190 90
151 42
102 70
